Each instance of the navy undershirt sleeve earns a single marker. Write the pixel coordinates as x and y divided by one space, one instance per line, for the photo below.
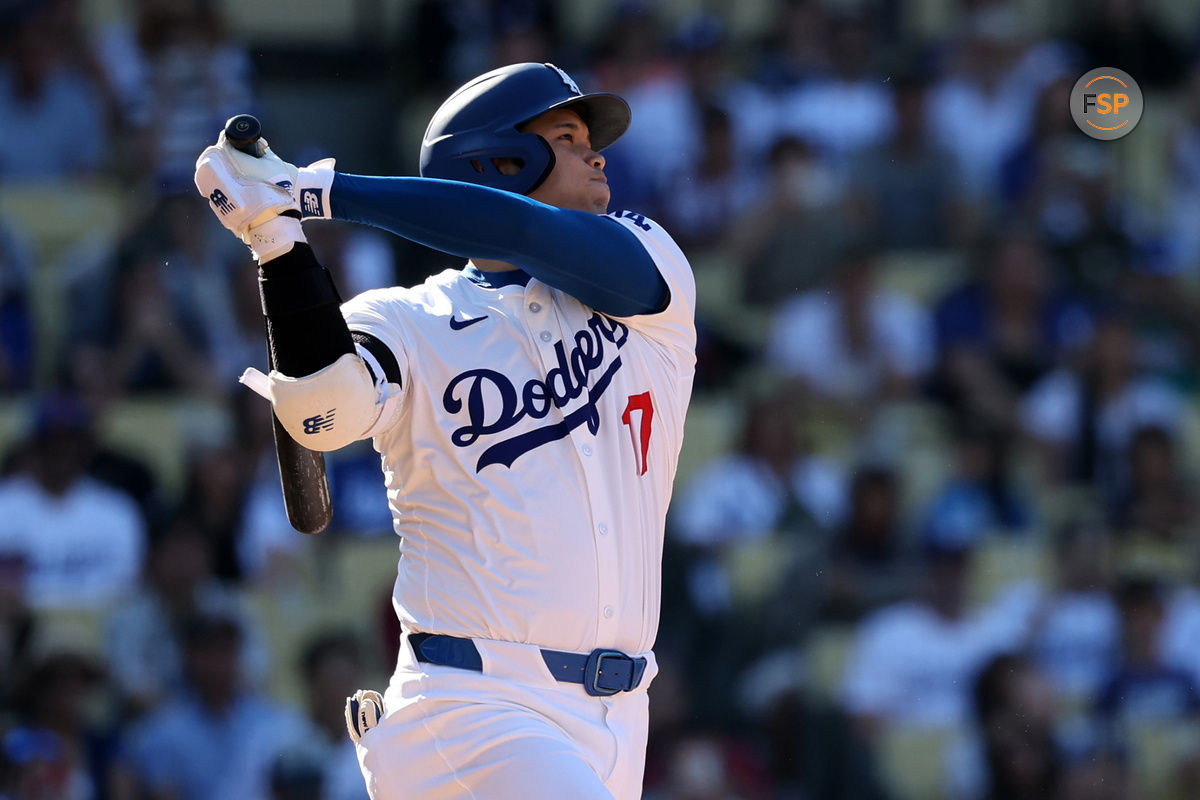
591 257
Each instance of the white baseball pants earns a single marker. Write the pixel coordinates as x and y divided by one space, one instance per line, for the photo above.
511 732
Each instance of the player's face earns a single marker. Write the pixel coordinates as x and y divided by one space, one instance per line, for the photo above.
577 180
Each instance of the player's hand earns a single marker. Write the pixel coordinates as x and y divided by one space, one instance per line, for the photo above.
364 710
265 168
249 207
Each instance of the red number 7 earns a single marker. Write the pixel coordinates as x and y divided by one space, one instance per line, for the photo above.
640 435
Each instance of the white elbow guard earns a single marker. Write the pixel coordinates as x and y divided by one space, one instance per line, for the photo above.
328 409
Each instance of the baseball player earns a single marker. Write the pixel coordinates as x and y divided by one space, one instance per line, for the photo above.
528 410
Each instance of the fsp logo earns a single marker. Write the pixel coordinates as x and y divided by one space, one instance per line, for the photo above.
1106 103
319 422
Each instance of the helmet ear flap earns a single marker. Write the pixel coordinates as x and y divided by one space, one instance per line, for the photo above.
474 162
546 170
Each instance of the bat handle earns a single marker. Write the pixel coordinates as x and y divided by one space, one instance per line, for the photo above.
243 132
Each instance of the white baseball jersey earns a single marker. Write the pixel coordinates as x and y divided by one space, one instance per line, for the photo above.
530 464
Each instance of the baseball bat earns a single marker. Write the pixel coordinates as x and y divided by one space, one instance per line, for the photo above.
302 473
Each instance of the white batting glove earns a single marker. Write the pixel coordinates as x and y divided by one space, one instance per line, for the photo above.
309 185
265 167
311 188
363 711
248 205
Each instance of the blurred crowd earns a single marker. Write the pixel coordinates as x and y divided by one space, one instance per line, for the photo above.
936 532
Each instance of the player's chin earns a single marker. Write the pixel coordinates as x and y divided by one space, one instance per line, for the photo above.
599 197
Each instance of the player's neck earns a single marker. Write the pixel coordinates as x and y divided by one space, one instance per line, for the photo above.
488 265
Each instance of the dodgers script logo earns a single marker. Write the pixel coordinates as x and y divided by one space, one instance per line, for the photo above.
562 384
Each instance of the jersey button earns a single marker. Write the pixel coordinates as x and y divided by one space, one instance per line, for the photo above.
608 612
602 528
545 336
535 307
587 449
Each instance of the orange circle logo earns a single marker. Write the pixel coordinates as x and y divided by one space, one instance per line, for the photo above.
1106 103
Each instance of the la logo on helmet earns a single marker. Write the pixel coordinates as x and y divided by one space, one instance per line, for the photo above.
566 79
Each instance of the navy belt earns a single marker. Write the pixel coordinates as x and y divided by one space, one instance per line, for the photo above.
601 672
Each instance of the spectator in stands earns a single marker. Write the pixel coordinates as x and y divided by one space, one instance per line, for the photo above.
82 541
1155 510
53 700
850 107
706 195
810 747
907 185
849 343
145 348
214 497
446 44
709 59
48 98
143 633
1085 419
911 662
170 323
869 563
763 506
1143 688
1093 228
1084 219
332 665
672 79
991 73
770 484
789 241
1074 641
1025 165
1014 752
1003 329
178 75
794 47
213 739
980 498
770 489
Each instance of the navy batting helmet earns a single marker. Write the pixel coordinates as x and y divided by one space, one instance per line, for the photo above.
480 121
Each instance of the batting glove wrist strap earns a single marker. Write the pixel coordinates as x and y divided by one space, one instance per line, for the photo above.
312 189
274 237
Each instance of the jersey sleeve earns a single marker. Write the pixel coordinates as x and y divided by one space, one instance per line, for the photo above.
675 324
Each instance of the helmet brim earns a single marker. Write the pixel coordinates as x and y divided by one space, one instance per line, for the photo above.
606 115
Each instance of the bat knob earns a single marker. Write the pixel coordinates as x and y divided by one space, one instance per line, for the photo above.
242 132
